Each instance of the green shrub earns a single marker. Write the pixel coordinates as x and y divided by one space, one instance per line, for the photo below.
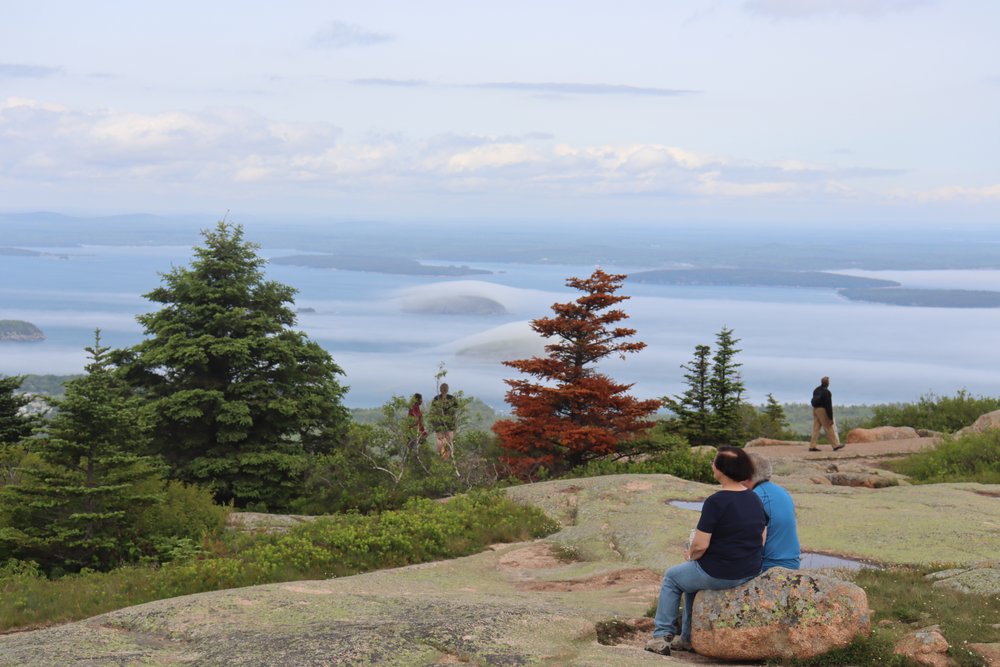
338 545
974 457
359 476
664 454
935 413
187 511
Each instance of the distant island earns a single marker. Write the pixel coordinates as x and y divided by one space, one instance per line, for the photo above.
456 305
20 331
756 278
393 265
925 298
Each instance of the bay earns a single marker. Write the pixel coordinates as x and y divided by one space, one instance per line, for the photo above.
789 337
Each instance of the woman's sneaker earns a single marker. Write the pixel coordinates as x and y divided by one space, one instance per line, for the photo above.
660 645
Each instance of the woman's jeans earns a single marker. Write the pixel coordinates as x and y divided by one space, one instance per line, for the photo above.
687 578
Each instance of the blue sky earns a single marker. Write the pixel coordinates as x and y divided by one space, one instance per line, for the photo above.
808 111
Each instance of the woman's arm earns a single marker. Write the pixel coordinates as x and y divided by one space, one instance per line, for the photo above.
699 545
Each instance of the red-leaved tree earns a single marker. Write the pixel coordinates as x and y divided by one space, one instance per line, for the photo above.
569 414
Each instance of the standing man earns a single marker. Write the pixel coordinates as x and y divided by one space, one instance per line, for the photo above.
781 548
822 404
444 418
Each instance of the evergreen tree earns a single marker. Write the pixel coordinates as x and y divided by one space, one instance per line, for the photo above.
79 500
237 397
725 389
693 407
572 413
775 420
14 425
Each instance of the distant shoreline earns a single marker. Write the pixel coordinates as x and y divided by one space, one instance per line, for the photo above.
390 265
757 278
924 298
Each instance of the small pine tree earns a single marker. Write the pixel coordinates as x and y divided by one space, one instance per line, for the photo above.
573 414
725 388
693 407
775 420
79 501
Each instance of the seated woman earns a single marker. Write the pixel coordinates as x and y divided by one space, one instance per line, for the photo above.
725 552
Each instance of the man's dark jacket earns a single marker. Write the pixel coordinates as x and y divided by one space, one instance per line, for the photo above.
822 398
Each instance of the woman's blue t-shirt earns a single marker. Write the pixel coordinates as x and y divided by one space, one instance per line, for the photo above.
736 521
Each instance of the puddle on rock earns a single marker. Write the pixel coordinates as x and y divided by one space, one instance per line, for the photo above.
688 504
810 561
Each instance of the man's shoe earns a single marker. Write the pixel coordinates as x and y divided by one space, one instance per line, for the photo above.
659 645
681 644
814 449
837 448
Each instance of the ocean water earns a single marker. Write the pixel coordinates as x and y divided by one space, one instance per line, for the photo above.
789 337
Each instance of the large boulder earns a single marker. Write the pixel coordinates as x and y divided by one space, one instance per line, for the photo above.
879 433
782 614
985 422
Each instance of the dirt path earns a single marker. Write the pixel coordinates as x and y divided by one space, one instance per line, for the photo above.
863 450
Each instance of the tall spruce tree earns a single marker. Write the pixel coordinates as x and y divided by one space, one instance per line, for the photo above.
725 387
693 407
571 414
14 424
79 500
238 399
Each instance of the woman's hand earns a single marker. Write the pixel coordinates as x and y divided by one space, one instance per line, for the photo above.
699 545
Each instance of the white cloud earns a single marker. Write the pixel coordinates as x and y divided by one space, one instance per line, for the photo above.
958 192
341 35
216 148
20 71
797 9
492 156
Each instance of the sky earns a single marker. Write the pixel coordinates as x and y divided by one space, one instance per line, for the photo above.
803 111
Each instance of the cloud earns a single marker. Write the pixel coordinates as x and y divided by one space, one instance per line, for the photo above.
582 89
340 35
219 148
957 193
801 9
18 71
541 89
400 83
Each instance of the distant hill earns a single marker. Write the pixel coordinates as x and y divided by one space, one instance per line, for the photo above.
755 278
50 385
394 265
925 298
20 331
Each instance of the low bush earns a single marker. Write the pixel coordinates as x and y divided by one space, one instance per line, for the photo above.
974 457
662 453
362 477
945 414
330 546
